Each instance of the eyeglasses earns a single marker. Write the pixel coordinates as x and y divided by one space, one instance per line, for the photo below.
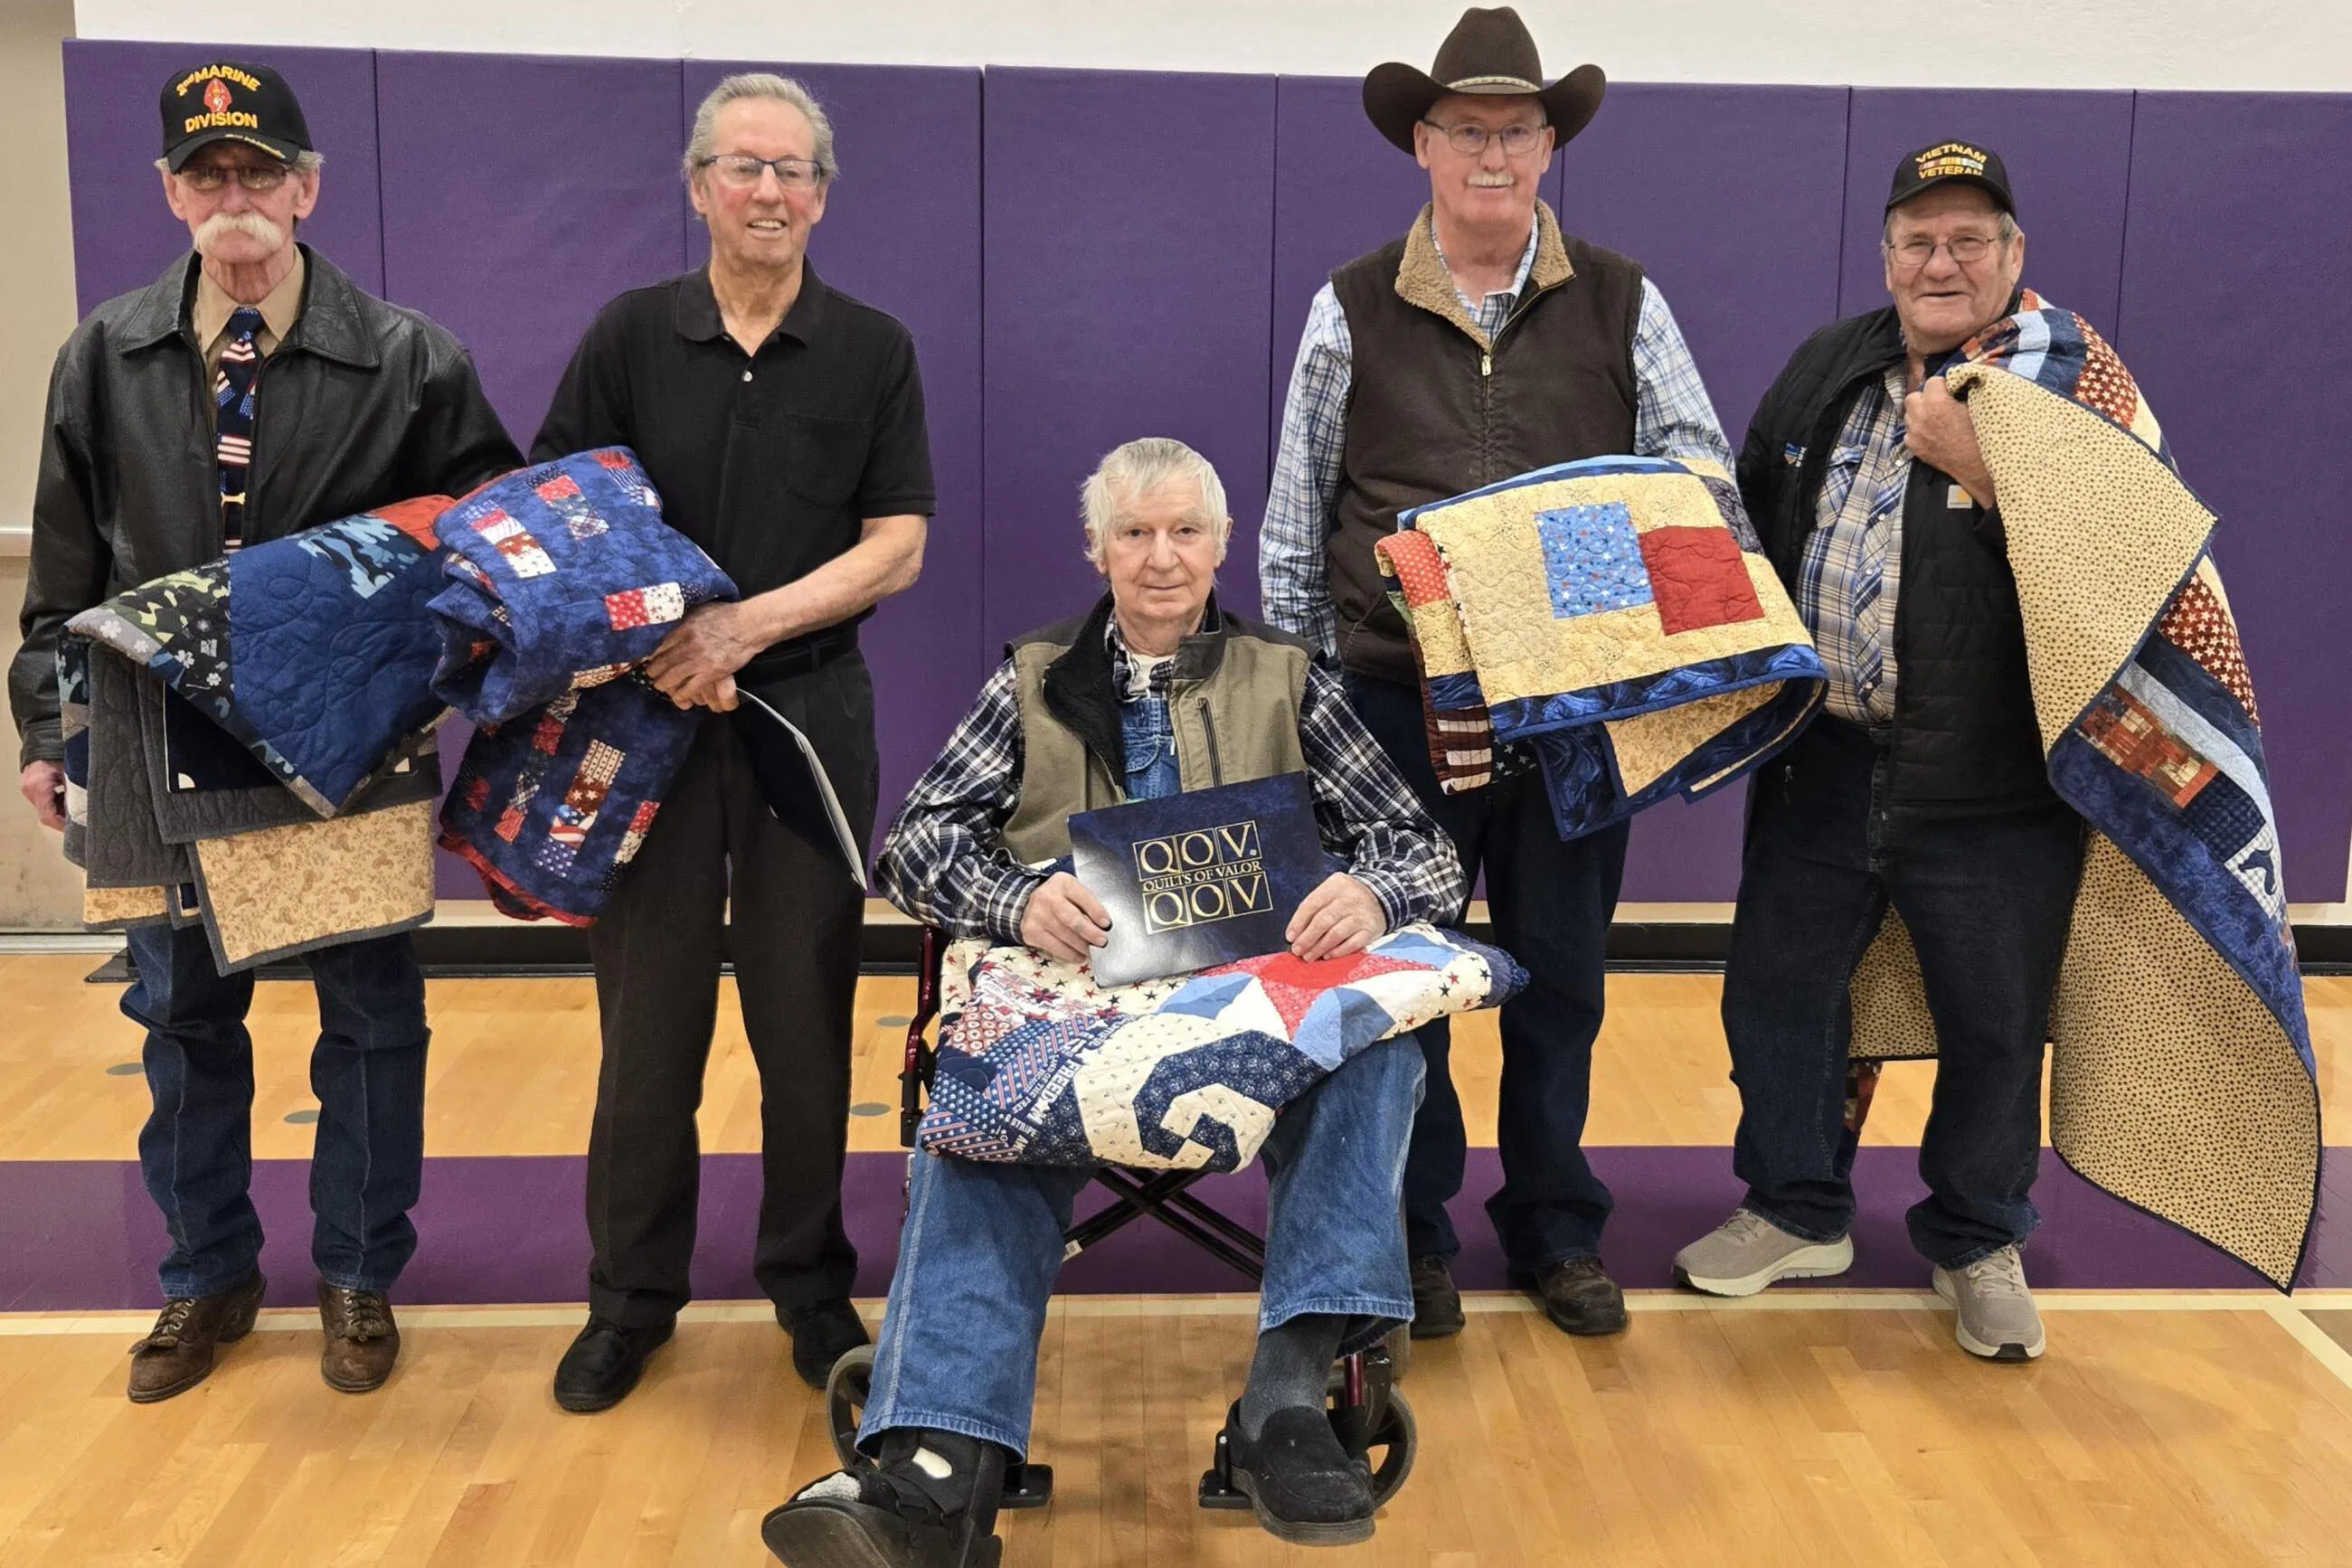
1470 139
741 170
258 179
1966 250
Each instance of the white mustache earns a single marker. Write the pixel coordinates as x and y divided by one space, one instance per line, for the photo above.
253 225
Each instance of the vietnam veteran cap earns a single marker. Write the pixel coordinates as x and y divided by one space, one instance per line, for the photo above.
222 102
1952 162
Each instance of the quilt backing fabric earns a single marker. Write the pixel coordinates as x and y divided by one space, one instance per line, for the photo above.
1038 1066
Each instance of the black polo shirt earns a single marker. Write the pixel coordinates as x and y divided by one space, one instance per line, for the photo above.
773 461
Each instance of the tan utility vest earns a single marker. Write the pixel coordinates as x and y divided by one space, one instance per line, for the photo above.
1232 702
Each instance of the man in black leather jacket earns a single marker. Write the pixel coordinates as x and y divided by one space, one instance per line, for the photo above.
1921 790
251 392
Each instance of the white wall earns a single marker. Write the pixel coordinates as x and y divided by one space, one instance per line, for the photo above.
2305 45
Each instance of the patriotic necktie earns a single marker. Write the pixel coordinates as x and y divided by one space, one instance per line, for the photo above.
240 364
1870 570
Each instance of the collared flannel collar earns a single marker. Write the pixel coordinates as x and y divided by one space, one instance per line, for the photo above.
1157 681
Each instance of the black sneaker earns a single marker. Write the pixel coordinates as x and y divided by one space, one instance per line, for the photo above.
604 1363
931 1503
1436 1304
822 1334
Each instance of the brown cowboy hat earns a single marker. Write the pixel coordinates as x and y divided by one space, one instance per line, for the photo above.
1490 51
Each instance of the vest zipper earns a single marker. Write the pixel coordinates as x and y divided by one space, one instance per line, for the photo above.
1209 731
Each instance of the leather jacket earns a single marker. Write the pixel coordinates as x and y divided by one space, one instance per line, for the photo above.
363 404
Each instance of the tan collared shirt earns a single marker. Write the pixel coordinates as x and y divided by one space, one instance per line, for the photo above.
212 308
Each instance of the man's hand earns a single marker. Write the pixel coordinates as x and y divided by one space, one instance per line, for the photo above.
1341 917
1938 429
44 784
696 663
1064 919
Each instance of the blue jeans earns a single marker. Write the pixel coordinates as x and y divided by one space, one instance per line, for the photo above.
1551 904
196 1150
982 1243
1986 899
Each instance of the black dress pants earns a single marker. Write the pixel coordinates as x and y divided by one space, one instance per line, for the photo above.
791 931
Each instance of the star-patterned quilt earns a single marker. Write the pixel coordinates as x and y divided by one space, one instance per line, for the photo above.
1038 1066
1614 616
2181 1073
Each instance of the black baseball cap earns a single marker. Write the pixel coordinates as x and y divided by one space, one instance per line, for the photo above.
1952 162
229 102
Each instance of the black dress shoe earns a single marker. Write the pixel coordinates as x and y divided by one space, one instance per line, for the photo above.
1579 1298
822 1334
604 1363
940 1512
1301 1483
1436 1304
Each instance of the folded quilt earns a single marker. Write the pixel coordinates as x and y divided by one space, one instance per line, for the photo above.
560 580
1038 1066
1615 614
313 652
173 821
2181 1077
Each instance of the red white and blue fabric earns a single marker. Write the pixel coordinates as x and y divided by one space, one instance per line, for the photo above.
560 580
1038 1066
233 383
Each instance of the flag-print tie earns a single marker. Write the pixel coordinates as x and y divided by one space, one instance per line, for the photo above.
1870 572
240 363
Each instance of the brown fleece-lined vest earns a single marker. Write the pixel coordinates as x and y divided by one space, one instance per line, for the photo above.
1233 701
1436 409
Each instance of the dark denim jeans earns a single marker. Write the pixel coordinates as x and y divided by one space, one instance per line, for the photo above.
1551 904
1986 899
196 1150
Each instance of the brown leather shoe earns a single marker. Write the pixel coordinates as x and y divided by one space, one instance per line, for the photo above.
1436 1304
362 1341
177 1354
1579 1298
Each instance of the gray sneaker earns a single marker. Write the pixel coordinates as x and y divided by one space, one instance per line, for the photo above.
1748 1252
1994 1311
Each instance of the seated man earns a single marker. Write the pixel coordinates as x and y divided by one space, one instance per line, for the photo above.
1084 714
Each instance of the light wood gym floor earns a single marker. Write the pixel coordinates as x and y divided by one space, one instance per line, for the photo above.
2191 1428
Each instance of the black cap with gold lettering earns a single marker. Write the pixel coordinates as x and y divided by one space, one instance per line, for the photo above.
1946 162
222 102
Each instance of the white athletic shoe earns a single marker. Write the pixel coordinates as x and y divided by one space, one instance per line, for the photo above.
1994 1315
1748 1252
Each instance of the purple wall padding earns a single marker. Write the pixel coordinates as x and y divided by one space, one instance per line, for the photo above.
124 235
2237 305
901 231
2069 160
1745 250
1129 242
512 222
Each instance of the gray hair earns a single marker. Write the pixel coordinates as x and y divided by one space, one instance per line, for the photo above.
2008 232
1136 469
767 85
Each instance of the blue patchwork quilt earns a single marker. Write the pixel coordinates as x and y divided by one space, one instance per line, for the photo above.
1039 1066
560 580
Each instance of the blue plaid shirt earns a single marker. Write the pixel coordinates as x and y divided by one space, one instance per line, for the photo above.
1868 456
945 864
1673 418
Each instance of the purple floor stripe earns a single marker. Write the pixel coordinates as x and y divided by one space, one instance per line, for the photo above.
81 1234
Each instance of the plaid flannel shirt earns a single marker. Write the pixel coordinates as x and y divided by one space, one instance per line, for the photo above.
945 864
1868 456
1673 418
